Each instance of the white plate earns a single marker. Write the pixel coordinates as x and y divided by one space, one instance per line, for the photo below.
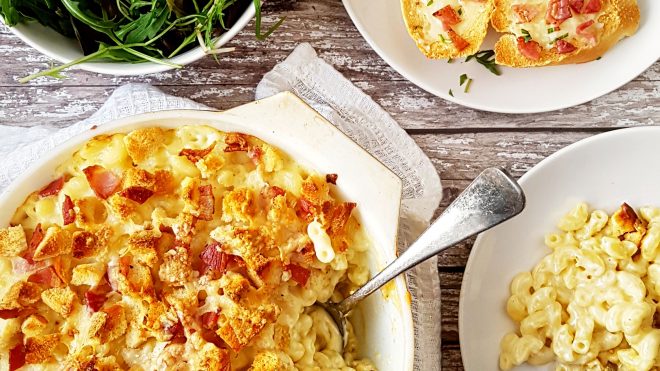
517 90
604 171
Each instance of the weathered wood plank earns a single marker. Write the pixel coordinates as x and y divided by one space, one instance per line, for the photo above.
450 284
637 103
451 358
462 156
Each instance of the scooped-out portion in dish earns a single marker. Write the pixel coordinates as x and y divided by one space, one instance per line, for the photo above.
179 249
592 303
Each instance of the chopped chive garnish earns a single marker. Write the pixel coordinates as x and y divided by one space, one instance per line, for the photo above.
451 93
460 11
462 79
467 86
526 35
599 58
429 3
485 58
551 30
450 60
442 37
560 37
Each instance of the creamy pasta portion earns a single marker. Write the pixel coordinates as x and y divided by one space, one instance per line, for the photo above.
179 249
591 303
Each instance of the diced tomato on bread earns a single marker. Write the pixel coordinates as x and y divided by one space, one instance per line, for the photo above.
448 16
530 49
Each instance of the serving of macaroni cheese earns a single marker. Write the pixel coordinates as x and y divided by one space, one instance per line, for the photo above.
179 249
591 303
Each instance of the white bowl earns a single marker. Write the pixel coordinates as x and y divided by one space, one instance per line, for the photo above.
604 171
288 123
64 49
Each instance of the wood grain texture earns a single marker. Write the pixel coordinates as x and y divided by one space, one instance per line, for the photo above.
459 141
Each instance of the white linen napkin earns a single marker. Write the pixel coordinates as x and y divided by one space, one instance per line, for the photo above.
341 103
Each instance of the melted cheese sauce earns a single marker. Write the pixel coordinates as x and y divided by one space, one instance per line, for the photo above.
433 30
299 335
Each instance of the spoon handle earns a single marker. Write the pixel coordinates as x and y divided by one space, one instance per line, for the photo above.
493 197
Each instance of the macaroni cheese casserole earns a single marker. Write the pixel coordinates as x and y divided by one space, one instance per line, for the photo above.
180 249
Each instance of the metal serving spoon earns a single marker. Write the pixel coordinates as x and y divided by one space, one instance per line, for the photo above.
492 198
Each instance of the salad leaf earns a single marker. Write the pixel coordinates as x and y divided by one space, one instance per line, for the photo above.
9 13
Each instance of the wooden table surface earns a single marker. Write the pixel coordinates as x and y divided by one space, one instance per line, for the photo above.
459 141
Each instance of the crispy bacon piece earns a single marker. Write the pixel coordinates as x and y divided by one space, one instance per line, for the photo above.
236 142
592 6
96 297
35 240
218 261
17 356
558 12
52 188
530 49
137 194
277 191
255 154
9 313
214 258
94 301
305 209
22 265
210 320
272 192
195 155
576 5
47 277
176 330
458 41
525 12
331 178
587 32
15 313
68 213
299 274
564 47
447 16
206 202
104 182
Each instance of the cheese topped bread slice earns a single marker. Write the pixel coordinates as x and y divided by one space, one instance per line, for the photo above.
550 32
447 28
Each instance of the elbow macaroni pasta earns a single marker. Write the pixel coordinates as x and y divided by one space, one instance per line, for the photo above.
591 303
